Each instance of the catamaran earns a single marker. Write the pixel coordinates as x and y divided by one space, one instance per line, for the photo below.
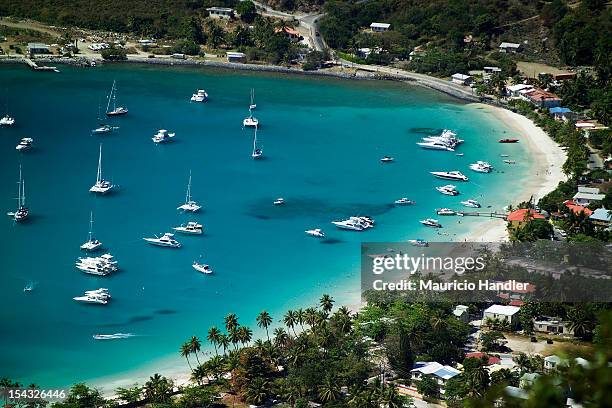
102 186
117 110
192 228
253 105
257 153
167 240
25 144
7 120
450 175
22 211
91 244
162 136
199 96
250 121
190 205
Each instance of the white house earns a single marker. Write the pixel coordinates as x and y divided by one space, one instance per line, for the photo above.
462 79
501 312
551 325
586 195
461 312
442 373
38 48
510 47
379 27
236 57
551 362
515 90
221 12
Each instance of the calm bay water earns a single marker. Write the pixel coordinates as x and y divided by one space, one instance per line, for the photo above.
322 141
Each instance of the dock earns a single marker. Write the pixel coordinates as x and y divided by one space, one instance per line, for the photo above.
491 214
36 67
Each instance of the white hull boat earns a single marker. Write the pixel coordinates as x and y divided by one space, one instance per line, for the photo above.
317 232
191 228
205 269
167 240
450 175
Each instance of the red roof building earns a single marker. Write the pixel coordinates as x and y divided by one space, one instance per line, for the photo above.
577 209
543 98
289 32
492 359
519 215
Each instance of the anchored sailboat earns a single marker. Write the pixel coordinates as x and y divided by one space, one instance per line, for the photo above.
22 211
103 128
257 153
117 110
253 105
92 244
102 186
190 205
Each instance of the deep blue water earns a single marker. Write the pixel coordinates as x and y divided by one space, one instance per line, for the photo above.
322 141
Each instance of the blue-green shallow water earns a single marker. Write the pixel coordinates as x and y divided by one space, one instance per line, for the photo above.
322 141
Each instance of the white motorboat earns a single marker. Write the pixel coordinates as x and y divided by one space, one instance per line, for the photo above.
102 129
430 222
481 167
117 110
115 336
7 120
317 232
509 161
167 240
448 189
22 211
189 205
279 201
25 144
199 96
202 268
257 152
100 265
192 228
403 201
445 211
91 244
102 186
162 136
102 292
253 105
471 203
418 242
459 154
436 146
355 223
504 155
450 175
92 299
387 159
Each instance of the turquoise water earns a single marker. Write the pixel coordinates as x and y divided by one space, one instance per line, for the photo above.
322 141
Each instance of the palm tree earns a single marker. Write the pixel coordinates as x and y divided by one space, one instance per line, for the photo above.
199 374
264 320
299 317
329 390
185 352
281 338
290 320
327 303
245 335
214 336
234 337
231 322
224 342
310 316
158 389
195 345
257 391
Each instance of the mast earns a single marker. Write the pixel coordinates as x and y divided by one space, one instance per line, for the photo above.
252 95
99 175
111 95
255 141
114 97
188 195
22 194
90 225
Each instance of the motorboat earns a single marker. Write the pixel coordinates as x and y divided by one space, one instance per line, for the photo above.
199 96
510 161
101 265
91 244
102 292
192 228
471 203
450 175
403 201
167 240
418 242
22 211
436 145
190 205
387 159
162 136
25 144
279 201
508 140
29 287
102 186
355 223
430 222
102 129
481 167
317 232
7 120
448 189
445 211
92 299
117 110
202 268
115 336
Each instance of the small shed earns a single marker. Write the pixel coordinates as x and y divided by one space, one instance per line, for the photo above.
380 27
462 79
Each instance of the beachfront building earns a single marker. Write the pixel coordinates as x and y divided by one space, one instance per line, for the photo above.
38 48
239 57
462 79
515 90
587 126
290 33
551 325
223 13
379 27
601 217
462 313
416 52
441 373
577 208
517 219
502 313
542 98
561 114
586 195
510 48
488 72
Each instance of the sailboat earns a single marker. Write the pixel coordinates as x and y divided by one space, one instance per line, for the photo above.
102 186
117 110
103 128
253 105
22 211
190 205
92 244
251 121
257 153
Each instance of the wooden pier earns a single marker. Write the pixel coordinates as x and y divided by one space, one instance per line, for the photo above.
36 67
491 214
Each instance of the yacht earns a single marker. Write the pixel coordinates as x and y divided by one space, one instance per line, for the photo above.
317 232
166 240
162 136
190 205
102 129
257 153
250 121
355 223
430 222
202 268
445 211
387 159
91 299
117 110
22 211
471 203
102 186
279 201
418 242
450 175
481 167
112 336
403 201
509 161
101 265
436 145
199 96
25 144
91 244
102 292
448 189
253 105
6 120
192 228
